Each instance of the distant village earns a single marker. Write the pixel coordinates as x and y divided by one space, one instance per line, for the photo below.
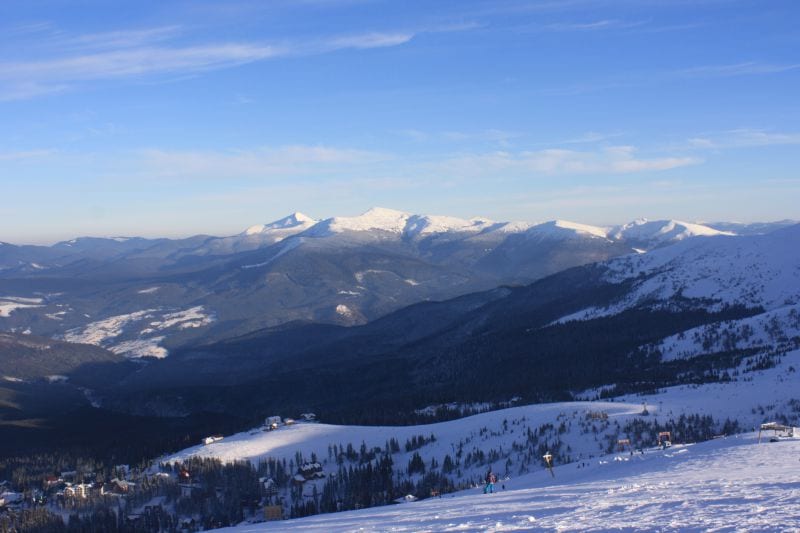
197 495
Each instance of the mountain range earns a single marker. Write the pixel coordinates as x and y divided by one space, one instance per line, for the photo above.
684 313
146 297
367 319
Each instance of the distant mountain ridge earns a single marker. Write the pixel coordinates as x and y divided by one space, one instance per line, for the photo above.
400 222
341 270
686 313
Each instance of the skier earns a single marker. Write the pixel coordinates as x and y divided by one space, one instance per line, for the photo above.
490 480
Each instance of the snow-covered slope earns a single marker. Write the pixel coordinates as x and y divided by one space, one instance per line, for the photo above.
559 229
770 332
139 334
731 484
727 482
653 233
280 229
759 395
754 271
752 228
399 223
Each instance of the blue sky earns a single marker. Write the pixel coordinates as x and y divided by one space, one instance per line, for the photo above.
175 118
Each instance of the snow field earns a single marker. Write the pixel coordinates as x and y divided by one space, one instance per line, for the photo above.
724 484
9 304
135 334
731 484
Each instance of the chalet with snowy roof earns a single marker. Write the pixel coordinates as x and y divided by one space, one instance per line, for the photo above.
212 439
120 486
79 490
310 471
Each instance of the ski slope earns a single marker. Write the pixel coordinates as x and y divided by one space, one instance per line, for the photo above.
483 431
722 484
730 484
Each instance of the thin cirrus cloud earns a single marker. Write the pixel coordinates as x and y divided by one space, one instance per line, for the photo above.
606 24
120 38
266 162
348 164
747 68
639 79
555 161
743 138
23 155
143 53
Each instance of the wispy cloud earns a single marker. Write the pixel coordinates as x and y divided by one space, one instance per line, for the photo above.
591 137
748 68
368 40
25 155
137 62
121 38
605 24
644 78
490 135
258 163
149 52
742 138
610 160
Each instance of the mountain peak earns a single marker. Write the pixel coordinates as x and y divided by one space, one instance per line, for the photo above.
383 212
565 227
376 218
660 231
297 221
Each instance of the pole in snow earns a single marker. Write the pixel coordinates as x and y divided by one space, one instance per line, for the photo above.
548 460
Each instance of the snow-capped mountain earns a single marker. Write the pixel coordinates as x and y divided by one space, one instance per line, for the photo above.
344 270
751 228
560 229
285 227
389 223
653 233
723 298
754 271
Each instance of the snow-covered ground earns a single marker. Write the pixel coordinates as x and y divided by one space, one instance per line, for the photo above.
137 334
752 271
724 484
9 304
756 397
730 484
777 330
479 432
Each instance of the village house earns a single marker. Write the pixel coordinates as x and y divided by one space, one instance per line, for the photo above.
309 471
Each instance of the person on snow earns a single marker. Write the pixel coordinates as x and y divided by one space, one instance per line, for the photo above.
490 480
